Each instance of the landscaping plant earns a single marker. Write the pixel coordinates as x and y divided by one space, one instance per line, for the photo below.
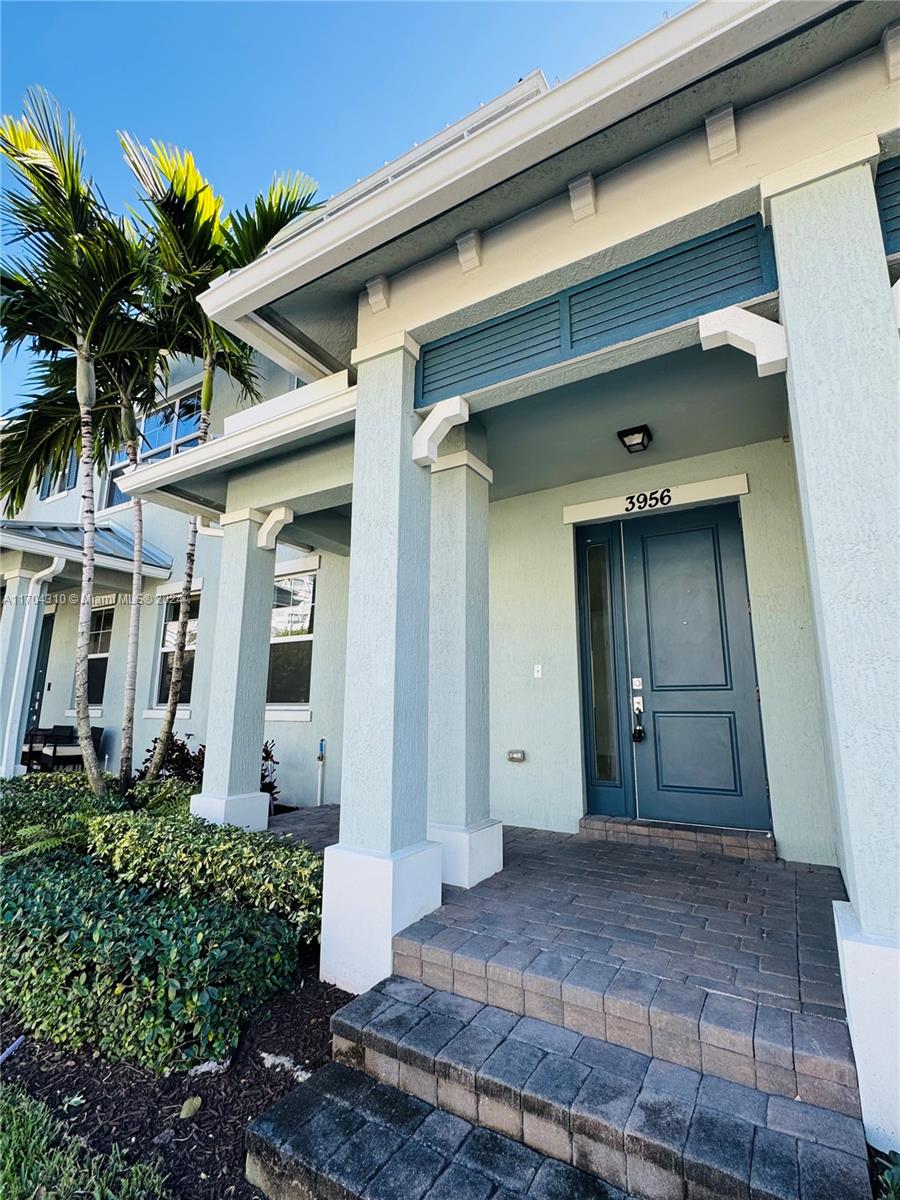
41 1160
156 980
184 857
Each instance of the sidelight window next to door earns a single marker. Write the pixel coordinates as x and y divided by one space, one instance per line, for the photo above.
665 629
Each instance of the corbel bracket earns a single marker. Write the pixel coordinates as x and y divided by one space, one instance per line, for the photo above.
735 326
274 523
583 197
468 247
436 426
379 293
890 44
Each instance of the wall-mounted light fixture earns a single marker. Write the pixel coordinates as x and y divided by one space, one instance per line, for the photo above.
636 439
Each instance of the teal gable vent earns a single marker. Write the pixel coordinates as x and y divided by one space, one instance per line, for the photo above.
887 194
728 266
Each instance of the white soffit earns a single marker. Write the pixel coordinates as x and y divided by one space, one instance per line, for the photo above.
692 45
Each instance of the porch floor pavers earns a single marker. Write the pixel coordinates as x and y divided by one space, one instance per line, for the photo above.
712 963
317 826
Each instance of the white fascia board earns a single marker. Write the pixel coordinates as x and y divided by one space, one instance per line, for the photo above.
14 541
287 402
228 451
697 42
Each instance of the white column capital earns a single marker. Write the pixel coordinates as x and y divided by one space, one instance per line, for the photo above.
463 458
400 340
237 515
865 149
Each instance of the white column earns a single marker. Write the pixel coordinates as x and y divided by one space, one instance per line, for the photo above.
459 806
19 626
844 393
383 874
237 704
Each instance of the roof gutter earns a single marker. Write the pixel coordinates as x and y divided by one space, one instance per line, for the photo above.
698 42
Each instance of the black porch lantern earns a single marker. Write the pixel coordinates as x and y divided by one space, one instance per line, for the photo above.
636 439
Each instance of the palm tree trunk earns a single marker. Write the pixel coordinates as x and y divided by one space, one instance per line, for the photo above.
134 614
184 609
85 388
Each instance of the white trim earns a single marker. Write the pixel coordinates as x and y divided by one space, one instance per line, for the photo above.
273 525
463 458
94 710
237 515
174 586
583 197
400 340
298 566
724 488
437 424
57 495
288 402
208 529
114 508
721 134
746 331
895 292
694 44
865 149
182 713
288 712
279 432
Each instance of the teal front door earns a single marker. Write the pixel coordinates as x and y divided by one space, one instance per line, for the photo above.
670 679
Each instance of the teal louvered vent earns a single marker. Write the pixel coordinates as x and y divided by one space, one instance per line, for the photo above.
887 193
729 266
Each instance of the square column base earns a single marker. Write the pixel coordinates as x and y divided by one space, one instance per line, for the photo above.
470 852
366 899
870 978
249 811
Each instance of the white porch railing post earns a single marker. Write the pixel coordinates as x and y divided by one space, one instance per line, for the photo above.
237 705
844 394
459 808
383 874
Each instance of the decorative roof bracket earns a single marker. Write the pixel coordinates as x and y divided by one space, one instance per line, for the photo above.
440 420
736 326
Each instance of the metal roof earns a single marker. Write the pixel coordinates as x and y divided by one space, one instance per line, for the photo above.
111 541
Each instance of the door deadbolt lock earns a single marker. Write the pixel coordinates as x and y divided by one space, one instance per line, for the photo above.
637 732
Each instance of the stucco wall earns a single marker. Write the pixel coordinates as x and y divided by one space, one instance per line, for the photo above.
533 621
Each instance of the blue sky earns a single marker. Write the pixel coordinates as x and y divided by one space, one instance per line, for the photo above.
259 86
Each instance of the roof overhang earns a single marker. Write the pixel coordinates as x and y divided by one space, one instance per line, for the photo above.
298 418
48 549
690 47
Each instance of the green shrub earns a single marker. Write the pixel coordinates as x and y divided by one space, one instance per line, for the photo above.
39 1157
164 798
48 801
185 857
156 980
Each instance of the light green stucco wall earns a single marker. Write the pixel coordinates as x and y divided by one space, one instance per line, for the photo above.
533 621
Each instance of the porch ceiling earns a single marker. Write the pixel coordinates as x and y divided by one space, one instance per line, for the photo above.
694 403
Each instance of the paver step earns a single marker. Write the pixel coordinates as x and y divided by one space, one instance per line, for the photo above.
342 1135
754 845
579 985
649 1127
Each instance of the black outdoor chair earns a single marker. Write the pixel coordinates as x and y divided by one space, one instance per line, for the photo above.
35 741
63 751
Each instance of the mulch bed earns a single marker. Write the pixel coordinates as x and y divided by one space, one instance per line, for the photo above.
203 1156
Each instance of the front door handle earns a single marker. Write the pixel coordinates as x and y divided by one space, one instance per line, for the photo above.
637 730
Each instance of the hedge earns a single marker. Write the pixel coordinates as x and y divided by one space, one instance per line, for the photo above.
152 979
182 856
41 1158
49 800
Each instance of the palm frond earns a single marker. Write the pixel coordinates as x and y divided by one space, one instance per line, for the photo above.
248 231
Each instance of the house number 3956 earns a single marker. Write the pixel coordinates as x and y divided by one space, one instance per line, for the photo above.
659 497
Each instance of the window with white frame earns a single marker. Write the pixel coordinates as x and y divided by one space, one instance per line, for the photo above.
167 650
56 485
168 430
291 642
98 652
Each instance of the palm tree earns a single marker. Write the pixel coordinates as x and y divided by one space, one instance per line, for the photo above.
195 244
72 294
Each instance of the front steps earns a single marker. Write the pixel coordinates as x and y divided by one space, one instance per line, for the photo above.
792 1054
653 1129
342 1135
749 844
